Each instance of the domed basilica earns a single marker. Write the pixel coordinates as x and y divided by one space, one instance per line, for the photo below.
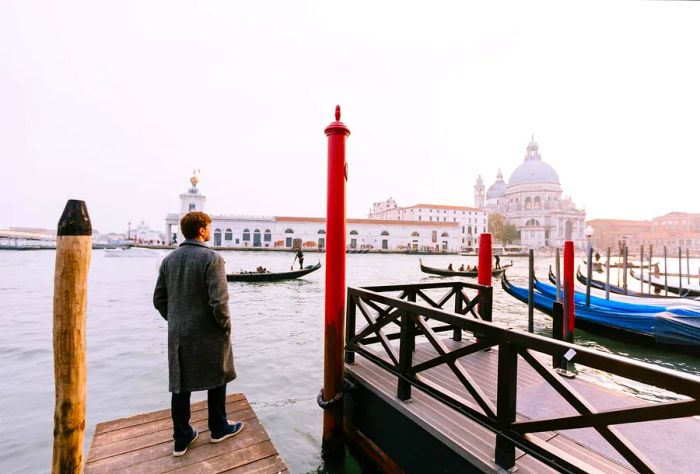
532 201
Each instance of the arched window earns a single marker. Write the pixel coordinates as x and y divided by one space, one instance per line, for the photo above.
268 236
445 234
217 237
246 235
228 235
321 231
289 231
528 203
353 232
385 232
192 207
538 203
415 234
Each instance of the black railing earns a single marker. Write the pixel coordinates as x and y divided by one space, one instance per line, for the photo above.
402 313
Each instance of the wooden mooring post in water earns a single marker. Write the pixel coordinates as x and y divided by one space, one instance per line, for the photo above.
531 291
607 275
333 363
73 253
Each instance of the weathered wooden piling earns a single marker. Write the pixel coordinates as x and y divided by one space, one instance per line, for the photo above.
651 254
557 266
589 270
665 272
531 292
607 276
641 269
680 271
625 268
73 253
333 366
687 263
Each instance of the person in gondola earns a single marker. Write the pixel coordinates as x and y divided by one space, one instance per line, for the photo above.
597 257
449 267
498 261
300 256
461 268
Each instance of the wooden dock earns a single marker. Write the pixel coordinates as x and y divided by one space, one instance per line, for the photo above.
484 397
144 444
536 399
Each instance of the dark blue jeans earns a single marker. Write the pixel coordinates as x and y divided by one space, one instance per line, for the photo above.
180 407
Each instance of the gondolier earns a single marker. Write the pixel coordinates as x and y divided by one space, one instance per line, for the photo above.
192 295
300 257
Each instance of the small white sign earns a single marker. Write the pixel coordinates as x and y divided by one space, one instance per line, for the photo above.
570 354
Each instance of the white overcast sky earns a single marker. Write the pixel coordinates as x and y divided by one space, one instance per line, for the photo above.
117 102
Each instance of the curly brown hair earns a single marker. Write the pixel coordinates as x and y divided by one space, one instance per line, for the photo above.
192 222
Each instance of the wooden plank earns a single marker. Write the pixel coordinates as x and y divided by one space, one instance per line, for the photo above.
152 416
271 464
137 443
130 432
236 460
159 458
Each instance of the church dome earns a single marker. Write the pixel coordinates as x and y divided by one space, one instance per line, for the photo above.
498 189
533 170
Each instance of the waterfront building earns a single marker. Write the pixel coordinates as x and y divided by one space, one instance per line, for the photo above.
672 230
143 233
471 222
532 200
287 232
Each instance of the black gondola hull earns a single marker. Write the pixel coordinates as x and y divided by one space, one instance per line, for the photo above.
280 276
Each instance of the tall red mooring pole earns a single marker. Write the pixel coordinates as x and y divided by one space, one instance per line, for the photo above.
569 289
333 366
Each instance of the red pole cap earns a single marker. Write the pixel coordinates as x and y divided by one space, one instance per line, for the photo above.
337 127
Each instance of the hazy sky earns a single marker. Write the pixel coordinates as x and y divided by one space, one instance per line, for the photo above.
116 102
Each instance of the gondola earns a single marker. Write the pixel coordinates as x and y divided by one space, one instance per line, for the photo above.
601 286
455 273
676 328
272 276
691 290
630 264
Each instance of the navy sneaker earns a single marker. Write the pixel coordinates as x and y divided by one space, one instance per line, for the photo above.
182 447
232 429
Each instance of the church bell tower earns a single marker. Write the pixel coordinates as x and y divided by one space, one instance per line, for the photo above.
479 193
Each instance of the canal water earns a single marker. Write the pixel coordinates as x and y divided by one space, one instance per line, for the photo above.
277 340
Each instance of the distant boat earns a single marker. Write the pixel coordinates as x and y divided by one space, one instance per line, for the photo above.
455 273
271 276
691 290
618 290
133 252
630 264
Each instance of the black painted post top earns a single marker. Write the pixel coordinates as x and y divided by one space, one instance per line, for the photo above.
75 219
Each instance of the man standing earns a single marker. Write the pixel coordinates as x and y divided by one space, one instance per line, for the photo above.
498 261
300 256
192 295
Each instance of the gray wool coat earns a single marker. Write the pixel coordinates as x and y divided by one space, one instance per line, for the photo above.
192 295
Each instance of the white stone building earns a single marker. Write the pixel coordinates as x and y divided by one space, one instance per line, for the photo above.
242 231
532 201
471 222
